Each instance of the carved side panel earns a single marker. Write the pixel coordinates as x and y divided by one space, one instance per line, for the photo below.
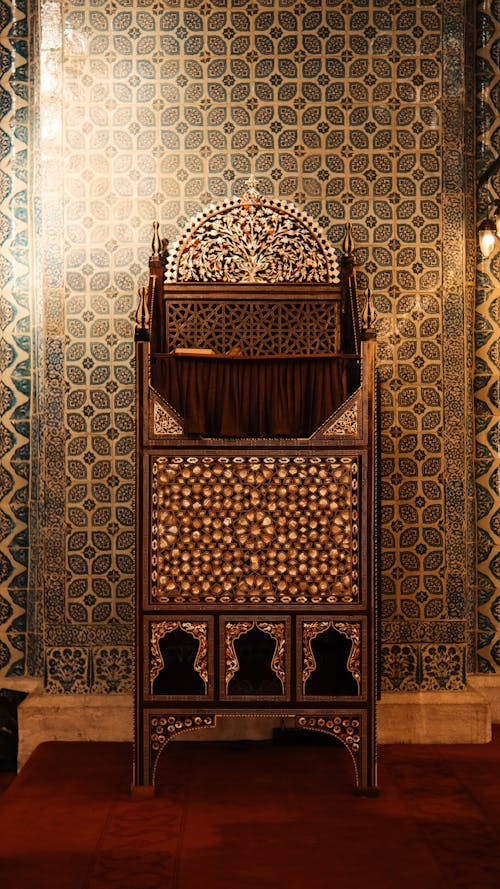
347 421
255 530
165 422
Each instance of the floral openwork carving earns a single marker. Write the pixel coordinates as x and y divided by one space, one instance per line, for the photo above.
311 629
198 630
252 239
275 629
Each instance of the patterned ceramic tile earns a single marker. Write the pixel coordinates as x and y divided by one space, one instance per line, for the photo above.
443 667
436 667
15 338
400 665
113 670
487 363
67 670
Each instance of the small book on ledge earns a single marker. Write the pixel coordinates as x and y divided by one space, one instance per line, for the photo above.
235 352
201 352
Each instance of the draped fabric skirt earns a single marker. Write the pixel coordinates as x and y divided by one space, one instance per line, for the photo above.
254 397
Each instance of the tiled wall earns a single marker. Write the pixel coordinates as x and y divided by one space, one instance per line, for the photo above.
15 336
487 368
353 110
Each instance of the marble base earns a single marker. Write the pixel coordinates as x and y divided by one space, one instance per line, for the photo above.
488 685
43 717
434 717
461 717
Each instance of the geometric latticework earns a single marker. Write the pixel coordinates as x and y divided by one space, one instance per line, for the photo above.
255 530
258 328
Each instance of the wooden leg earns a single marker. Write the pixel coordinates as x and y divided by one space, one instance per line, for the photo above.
139 792
353 732
158 730
142 784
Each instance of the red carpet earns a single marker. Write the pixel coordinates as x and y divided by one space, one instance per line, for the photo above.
253 816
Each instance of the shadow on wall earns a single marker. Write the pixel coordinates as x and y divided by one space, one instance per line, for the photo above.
9 702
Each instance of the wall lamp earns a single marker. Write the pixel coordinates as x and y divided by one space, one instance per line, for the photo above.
489 230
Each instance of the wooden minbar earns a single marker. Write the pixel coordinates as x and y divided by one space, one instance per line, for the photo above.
256 500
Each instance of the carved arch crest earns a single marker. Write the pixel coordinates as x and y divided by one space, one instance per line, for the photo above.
252 239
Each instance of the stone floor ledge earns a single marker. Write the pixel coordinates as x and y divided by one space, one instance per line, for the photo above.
47 717
488 685
434 717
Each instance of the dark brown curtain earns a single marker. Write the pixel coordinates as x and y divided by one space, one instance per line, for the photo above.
257 397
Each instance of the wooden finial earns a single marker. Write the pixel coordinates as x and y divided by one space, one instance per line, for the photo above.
348 242
368 316
156 243
142 313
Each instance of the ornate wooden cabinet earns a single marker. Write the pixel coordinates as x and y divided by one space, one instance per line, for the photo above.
256 484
